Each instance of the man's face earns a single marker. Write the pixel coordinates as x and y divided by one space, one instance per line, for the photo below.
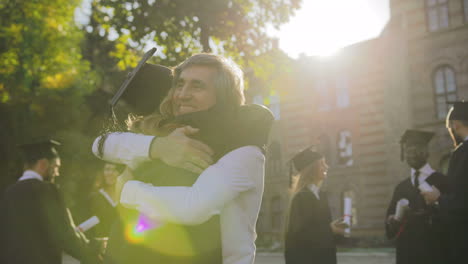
52 170
110 174
416 156
195 90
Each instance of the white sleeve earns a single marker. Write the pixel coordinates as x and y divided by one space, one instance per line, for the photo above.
124 148
217 185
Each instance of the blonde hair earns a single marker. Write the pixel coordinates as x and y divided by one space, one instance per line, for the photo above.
304 177
229 86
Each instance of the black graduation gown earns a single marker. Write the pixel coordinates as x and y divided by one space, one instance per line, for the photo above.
454 204
177 243
105 211
309 238
419 236
37 226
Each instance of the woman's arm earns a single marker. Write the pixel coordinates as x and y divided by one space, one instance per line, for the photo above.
124 148
176 149
236 172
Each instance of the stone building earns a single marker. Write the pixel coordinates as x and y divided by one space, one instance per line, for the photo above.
354 107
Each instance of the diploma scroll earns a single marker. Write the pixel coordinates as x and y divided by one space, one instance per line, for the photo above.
401 207
88 224
348 205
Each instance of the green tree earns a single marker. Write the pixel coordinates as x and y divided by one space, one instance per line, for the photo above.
43 78
235 28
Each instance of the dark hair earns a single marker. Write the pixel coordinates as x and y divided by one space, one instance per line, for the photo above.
31 157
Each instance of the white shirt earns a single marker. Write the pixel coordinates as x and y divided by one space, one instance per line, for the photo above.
315 189
424 172
234 186
30 174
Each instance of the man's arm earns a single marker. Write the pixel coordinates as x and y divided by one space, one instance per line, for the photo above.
236 172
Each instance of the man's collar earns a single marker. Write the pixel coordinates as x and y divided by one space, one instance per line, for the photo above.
30 174
425 171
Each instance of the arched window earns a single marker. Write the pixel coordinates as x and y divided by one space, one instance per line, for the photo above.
345 148
437 14
445 89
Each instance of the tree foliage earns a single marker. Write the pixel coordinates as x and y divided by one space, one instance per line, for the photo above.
236 28
43 77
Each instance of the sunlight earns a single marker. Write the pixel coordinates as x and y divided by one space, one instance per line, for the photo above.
323 27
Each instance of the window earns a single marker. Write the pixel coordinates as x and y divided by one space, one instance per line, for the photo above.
276 213
437 14
345 148
342 93
273 103
275 106
258 99
323 96
445 89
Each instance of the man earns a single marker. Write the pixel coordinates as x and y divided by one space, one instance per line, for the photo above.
418 233
233 186
454 203
37 227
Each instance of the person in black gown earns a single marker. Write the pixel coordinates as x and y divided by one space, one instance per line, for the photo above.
36 225
103 202
419 233
454 203
310 233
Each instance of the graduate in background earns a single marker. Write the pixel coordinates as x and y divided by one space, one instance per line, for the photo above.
454 203
416 228
103 202
310 233
36 225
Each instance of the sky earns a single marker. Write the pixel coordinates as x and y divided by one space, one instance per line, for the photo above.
321 27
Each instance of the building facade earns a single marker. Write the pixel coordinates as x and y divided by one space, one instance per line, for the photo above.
354 106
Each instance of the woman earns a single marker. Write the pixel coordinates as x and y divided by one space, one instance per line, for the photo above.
208 95
310 231
103 201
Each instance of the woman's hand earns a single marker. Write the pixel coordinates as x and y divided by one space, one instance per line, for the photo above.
179 150
338 226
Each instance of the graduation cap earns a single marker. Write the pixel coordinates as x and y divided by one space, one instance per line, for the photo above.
145 87
459 111
414 137
304 158
39 149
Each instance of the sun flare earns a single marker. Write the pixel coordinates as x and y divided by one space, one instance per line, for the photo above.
322 27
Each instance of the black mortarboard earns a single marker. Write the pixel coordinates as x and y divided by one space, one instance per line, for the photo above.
305 158
414 137
459 111
39 149
145 86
